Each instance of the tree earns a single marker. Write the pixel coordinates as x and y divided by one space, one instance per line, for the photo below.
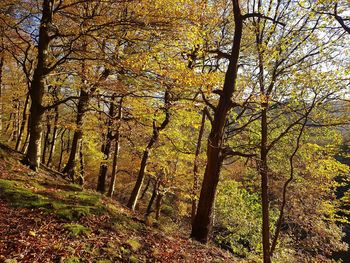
153 140
202 222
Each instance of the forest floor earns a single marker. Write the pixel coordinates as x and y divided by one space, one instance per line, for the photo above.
44 218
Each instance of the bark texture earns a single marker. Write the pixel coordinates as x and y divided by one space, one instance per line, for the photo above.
202 223
36 90
106 149
116 150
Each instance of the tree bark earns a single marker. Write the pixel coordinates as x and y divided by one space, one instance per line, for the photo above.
53 138
106 149
263 166
264 186
82 164
202 223
154 138
23 123
70 168
116 150
153 197
46 138
15 123
61 150
195 168
159 204
146 188
36 90
26 141
1 75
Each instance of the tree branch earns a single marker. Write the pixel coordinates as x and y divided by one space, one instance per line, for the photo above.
249 15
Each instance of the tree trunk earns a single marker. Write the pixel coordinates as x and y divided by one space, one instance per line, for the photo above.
82 164
264 186
61 150
106 149
15 123
263 167
70 168
46 138
8 124
140 178
1 75
202 223
23 123
54 137
146 188
68 142
36 91
26 141
154 138
116 150
153 197
159 204
195 168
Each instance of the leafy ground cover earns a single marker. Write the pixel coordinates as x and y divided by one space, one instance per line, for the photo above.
45 219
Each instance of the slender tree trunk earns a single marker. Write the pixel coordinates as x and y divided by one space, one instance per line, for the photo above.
54 137
2 55
159 204
116 149
264 186
36 91
26 141
23 123
153 197
202 223
9 123
46 138
140 178
195 168
263 166
18 121
68 142
61 150
146 188
154 138
70 167
82 164
15 124
106 149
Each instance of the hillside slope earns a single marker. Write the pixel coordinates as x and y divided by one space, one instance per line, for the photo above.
46 219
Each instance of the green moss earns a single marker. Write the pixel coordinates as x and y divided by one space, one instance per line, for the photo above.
72 213
72 260
168 210
77 230
80 198
19 196
133 244
133 259
75 187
